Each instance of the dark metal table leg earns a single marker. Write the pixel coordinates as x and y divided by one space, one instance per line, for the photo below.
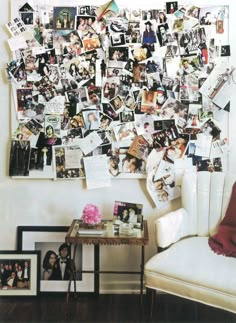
72 276
96 269
142 273
73 269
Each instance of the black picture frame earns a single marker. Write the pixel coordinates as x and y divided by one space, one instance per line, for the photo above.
33 237
13 285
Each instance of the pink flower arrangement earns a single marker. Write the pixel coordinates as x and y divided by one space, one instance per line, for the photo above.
91 214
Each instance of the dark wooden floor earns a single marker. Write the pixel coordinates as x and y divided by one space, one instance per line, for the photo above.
107 308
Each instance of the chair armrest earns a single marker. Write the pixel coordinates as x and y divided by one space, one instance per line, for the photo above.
171 227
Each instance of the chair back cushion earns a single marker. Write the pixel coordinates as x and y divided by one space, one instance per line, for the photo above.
205 197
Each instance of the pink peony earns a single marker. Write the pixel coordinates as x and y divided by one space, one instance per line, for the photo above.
91 214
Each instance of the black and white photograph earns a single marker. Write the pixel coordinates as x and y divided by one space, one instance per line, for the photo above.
126 116
117 40
50 241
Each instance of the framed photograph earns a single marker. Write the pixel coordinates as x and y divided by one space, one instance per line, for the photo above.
55 257
19 273
128 213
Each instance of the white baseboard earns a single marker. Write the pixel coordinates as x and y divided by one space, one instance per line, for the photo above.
121 287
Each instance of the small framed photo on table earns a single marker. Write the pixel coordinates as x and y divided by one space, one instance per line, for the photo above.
125 212
19 273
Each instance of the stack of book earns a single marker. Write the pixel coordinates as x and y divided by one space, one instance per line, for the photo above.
96 229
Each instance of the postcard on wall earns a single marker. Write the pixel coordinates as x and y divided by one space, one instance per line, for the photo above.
90 142
97 172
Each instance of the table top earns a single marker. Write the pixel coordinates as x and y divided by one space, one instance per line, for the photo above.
108 236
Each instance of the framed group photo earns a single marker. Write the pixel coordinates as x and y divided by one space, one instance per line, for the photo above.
19 273
56 255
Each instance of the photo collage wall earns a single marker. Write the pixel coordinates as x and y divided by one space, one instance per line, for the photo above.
137 92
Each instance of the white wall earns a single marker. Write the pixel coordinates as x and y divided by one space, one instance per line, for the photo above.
46 202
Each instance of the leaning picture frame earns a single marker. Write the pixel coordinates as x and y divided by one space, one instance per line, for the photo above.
47 238
19 273
127 212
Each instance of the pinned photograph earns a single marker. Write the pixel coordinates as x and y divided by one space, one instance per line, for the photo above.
149 98
193 11
64 17
126 116
218 85
139 73
149 35
171 7
141 53
162 34
118 53
27 18
162 188
117 40
124 132
92 119
117 104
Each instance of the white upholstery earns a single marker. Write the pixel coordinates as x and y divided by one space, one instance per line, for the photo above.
189 268
164 233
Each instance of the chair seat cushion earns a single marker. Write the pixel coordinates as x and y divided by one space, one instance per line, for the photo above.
189 268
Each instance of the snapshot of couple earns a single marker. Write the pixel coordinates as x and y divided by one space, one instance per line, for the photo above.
57 266
128 212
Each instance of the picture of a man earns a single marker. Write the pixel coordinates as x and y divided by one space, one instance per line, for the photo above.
63 263
186 67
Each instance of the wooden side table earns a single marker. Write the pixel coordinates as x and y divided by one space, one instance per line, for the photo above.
108 237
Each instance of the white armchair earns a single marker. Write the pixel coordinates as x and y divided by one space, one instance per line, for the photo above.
189 268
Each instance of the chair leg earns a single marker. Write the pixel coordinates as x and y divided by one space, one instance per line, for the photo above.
196 311
150 294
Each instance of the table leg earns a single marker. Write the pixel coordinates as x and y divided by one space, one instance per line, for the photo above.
96 269
73 269
142 272
72 276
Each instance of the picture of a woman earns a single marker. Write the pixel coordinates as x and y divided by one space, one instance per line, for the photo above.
162 17
73 70
149 36
49 265
131 164
92 121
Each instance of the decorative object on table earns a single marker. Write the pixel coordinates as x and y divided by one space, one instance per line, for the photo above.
45 238
91 229
126 229
91 215
12 283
